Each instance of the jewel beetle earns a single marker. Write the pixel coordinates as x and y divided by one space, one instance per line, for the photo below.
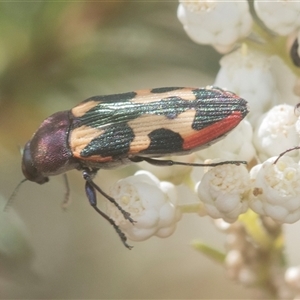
104 132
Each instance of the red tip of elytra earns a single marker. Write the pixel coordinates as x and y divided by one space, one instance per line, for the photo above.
212 132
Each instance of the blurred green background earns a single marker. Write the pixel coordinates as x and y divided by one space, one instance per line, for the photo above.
52 56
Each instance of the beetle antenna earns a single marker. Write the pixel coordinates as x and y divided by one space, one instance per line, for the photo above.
67 199
286 151
13 195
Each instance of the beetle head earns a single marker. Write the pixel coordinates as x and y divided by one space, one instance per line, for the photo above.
48 153
29 170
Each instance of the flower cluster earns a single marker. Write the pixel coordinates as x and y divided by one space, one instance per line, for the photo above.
243 257
151 203
276 189
204 22
281 16
249 255
258 68
223 191
263 68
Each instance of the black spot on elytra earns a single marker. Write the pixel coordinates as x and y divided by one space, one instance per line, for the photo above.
165 89
115 142
124 97
164 141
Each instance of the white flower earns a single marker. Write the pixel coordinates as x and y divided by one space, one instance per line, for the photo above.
292 277
297 126
276 132
281 16
247 73
215 23
151 203
223 189
286 81
276 189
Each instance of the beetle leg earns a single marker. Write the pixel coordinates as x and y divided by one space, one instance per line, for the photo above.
67 199
88 177
91 194
169 162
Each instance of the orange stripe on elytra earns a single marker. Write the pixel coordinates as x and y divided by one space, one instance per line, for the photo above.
94 158
208 134
82 108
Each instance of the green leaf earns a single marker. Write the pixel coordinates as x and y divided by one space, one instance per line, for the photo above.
209 251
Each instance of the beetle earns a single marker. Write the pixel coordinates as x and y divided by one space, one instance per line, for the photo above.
105 132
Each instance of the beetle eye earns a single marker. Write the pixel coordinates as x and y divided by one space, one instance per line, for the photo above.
29 170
